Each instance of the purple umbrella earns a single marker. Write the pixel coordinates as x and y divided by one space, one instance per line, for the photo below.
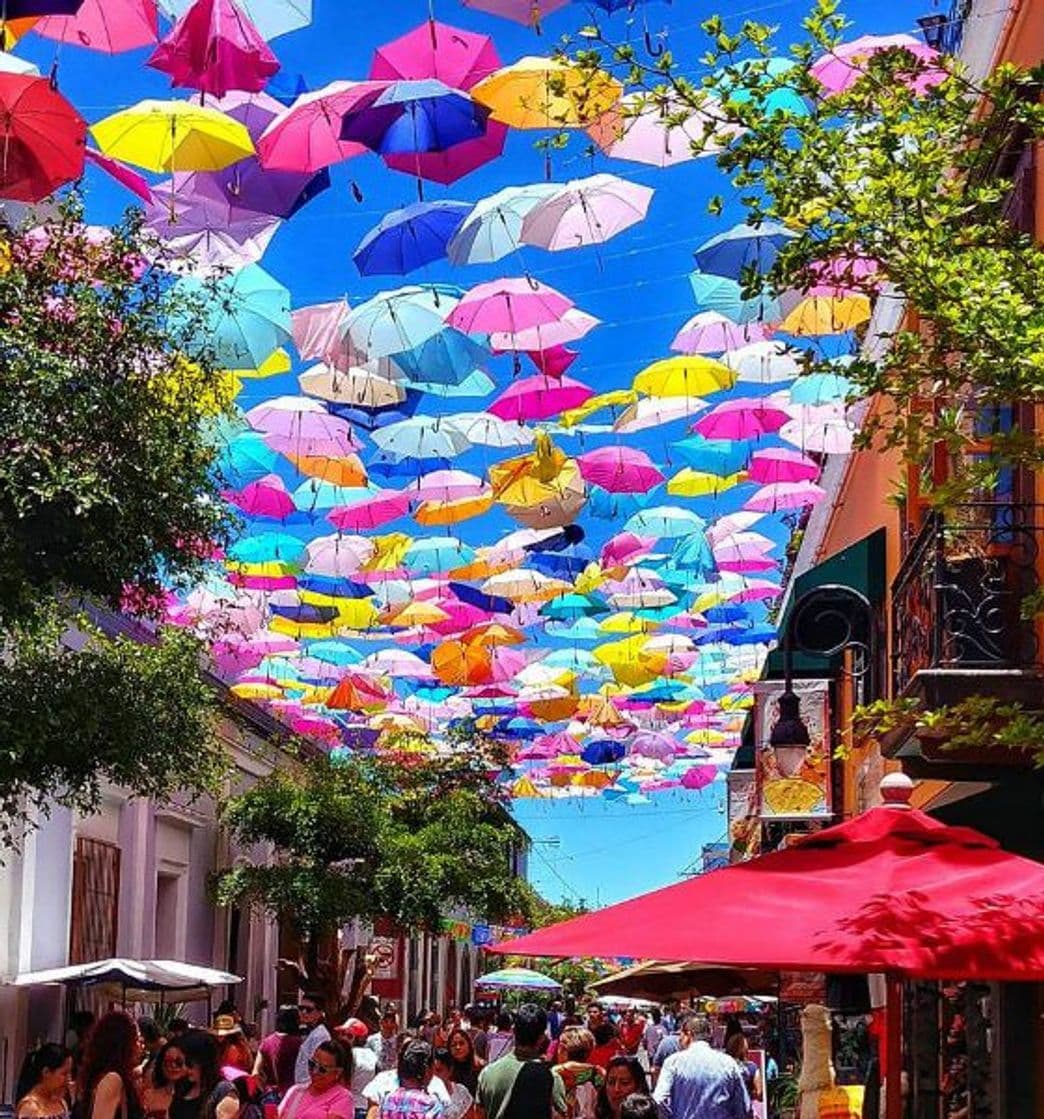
455 162
21 9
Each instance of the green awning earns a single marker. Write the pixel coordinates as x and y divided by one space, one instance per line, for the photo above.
860 566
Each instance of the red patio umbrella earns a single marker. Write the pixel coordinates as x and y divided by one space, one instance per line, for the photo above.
891 891
42 138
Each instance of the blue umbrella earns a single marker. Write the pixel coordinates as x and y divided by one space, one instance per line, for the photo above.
413 117
446 358
822 388
603 751
719 293
409 238
742 247
713 456
491 603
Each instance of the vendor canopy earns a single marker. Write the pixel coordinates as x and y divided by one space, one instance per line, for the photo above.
892 890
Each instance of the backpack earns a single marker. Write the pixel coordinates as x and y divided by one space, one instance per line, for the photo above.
532 1092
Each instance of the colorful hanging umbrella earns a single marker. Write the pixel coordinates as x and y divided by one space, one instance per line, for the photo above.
360 385
585 212
421 437
742 247
373 509
779 464
696 483
173 136
508 306
413 116
644 129
516 978
493 228
710 333
784 495
486 430
271 17
436 50
824 430
267 497
741 418
539 397
307 136
399 320
619 470
547 93
721 294
42 138
841 67
546 337
528 12
684 377
410 238
822 388
135 183
826 310
248 315
665 522
112 26
214 47
657 411
454 162
301 426
763 363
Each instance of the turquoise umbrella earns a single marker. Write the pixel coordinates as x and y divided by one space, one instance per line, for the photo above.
318 494
246 458
394 322
247 315
822 388
665 522
724 295
334 652
267 547
435 555
493 229
569 606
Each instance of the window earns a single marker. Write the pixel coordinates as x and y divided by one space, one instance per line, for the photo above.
95 901
166 941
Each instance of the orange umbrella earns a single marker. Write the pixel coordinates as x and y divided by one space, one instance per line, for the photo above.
462 663
347 471
357 693
494 633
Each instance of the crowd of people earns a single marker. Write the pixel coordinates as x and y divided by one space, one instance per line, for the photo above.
479 1063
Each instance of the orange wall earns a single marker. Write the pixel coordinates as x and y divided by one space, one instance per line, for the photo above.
1024 38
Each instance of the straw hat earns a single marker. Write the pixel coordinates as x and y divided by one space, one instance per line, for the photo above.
225 1026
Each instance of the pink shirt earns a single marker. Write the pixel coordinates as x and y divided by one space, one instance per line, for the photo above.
302 1103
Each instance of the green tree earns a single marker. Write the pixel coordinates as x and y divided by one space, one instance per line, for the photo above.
108 491
415 835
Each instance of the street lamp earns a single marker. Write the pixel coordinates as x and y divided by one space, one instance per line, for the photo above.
790 739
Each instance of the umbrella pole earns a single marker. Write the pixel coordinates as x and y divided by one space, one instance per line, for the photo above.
894 1046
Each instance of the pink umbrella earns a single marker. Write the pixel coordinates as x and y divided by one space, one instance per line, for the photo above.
619 470
267 497
307 137
111 26
337 556
236 655
585 212
655 744
780 464
741 418
214 47
843 66
784 495
459 59
376 509
552 360
711 333
455 162
120 172
626 548
846 271
699 777
318 333
640 130
823 429
754 590
508 306
262 582
528 12
573 325
298 425
539 397
446 485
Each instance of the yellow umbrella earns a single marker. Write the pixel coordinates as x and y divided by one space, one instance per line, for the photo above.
173 136
388 552
626 622
256 690
543 489
267 569
684 376
827 314
278 361
547 93
617 398
416 613
524 789
700 483
622 659
453 511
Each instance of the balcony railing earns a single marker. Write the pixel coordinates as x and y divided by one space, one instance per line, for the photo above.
956 601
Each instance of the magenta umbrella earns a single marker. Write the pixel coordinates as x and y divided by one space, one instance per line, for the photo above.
551 336
845 64
699 776
784 495
377 508
780 464
619 470
267 497
458 58
112 26
307 137
120 173
741 418
455 162
214 47
711 333
508 306
539 397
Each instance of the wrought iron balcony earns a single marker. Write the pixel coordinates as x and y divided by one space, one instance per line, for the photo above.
956 603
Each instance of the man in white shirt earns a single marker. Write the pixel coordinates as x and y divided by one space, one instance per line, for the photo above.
699 1082
312 1009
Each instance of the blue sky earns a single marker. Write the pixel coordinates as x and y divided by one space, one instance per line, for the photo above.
636 284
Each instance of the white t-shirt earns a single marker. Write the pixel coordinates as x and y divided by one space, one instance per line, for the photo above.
364 1069
384 1083
459 1102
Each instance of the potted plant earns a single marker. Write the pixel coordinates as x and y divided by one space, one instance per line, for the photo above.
783 1097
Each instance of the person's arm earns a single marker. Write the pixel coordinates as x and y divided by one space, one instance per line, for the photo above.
27 1108
108 1097
662 1091
757 1092
259 1067
228 1107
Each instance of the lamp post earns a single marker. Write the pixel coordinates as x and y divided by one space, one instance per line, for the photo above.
790 739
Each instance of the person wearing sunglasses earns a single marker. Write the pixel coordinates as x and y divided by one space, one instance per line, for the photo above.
312 1012
327 1095
169 1073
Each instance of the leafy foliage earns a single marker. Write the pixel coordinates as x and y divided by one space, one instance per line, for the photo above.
137 715
107 469
900 170
409 835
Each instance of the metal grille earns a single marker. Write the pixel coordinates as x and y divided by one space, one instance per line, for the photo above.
95 901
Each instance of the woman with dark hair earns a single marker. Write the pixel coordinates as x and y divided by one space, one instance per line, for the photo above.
466 1065
624 1076
44 1083
607 1044
412 1100
111 1053
327 1094
203 1094
460 1099
169 1075
277 1054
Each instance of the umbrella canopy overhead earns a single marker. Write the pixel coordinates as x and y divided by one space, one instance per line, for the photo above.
516 979
892 890
42 138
